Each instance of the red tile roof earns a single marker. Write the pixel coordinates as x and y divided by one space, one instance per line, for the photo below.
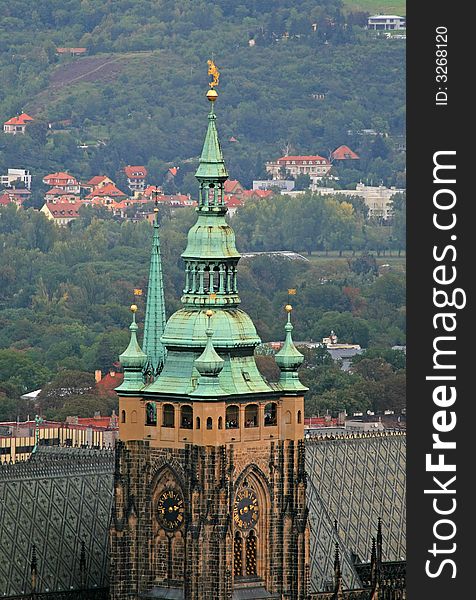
150 189
102 422
344 153
19 193
64 209
233 201
230 185
96 180
173 170
135 172
60 177
108 190
257 193
263 193
55 191
109 382
22 119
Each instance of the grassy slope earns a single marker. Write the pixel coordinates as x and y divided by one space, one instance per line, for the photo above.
386 7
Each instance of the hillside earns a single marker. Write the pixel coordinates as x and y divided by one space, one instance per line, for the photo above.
65 293
377 7
307 78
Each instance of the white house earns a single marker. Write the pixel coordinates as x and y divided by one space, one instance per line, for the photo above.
386 22
378 199
15 175
315 166
17 124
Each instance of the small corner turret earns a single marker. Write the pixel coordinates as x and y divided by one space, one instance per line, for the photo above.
132 360
209 364
289 359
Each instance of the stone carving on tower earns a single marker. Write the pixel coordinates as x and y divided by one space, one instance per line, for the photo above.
210 482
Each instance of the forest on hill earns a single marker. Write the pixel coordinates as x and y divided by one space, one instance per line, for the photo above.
301 77
312 79
65 296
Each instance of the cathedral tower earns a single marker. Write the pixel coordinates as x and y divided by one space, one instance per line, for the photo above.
210 482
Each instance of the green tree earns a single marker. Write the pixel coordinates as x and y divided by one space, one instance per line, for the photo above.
21 372
302 182
110 345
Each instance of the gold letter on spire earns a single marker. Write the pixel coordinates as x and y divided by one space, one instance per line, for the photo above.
213 71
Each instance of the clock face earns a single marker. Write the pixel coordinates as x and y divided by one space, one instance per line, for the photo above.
246 509
170 509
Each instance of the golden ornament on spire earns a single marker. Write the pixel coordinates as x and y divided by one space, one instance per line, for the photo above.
213 71
212 94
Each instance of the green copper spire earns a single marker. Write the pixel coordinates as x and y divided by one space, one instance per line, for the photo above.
211 165
211 256
226 366
154 324
209 364
289 359
133 360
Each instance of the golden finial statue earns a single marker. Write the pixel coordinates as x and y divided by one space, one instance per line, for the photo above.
213 71
212 94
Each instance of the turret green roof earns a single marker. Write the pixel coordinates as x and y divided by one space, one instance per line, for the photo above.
209 364
211 237
289 359
132 360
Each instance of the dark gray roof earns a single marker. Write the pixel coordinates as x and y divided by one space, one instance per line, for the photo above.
161 593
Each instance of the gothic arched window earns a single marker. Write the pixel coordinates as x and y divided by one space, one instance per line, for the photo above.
232 419
270 414
251 415
150 413
186 417
168 415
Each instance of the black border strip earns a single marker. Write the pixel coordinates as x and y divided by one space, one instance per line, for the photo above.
440 128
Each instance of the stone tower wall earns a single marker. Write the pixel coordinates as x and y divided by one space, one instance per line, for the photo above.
209 478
